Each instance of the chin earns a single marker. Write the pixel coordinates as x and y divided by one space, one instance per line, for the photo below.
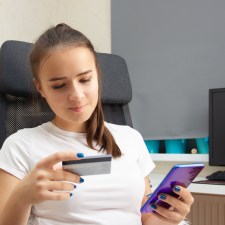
81 120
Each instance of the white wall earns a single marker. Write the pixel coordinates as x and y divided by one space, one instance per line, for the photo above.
25 20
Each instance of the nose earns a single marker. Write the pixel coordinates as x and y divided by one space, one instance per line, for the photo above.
76 92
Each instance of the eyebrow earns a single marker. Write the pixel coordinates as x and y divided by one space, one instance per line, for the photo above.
62 78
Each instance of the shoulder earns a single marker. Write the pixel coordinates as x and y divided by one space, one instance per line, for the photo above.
23 136
16 151
20 135
122 130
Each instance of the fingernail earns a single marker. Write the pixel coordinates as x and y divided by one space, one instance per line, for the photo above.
81 180
80 155
162 196
75 186
176 188
71 194
149 195
153 206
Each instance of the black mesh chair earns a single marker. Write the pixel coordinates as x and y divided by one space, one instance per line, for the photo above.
17 106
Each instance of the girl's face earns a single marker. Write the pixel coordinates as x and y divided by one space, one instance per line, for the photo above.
68 80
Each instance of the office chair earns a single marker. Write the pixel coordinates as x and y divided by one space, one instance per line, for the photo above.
17 106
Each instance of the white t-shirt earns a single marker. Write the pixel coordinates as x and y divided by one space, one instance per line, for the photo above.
110 199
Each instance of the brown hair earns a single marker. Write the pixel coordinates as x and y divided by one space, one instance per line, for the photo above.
63 35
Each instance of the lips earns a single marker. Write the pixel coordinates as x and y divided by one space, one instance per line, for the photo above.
77 108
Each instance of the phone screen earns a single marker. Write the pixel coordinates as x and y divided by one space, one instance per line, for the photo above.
180 174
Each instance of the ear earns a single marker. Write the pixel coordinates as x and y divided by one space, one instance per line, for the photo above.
39 87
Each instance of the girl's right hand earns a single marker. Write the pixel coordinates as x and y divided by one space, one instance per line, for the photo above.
44 182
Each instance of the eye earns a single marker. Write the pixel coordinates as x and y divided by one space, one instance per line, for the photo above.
58 86
86 80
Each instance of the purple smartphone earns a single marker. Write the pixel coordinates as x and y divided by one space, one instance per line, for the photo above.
180 174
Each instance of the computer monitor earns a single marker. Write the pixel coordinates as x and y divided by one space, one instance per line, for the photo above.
217 127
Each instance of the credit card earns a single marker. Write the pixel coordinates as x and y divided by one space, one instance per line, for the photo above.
89 165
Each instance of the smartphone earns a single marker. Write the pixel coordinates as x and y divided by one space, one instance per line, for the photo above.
89 165
180 174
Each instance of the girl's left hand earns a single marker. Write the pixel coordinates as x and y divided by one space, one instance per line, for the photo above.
179 207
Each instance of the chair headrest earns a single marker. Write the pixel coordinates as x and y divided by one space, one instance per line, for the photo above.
16 75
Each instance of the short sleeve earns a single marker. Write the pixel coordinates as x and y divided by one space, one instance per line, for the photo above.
145 161
15 154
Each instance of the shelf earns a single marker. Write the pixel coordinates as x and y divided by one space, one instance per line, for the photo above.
180 157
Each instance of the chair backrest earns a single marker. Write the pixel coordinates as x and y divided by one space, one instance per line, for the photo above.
17 108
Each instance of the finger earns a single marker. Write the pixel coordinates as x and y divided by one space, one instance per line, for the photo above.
56 196
176 204
166 214
184 194
57 166
58 175
60 186
55 158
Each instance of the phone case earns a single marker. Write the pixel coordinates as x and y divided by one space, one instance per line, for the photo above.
180 174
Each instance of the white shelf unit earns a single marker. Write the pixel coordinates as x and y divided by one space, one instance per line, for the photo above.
180 157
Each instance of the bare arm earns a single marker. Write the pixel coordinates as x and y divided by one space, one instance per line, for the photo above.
10 203
17 196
